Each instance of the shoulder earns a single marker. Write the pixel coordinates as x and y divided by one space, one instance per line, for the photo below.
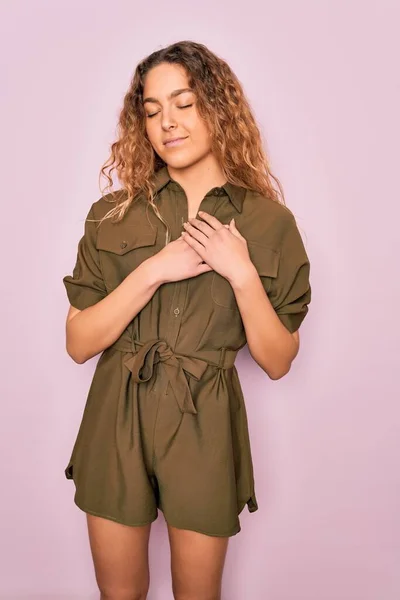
106 202
267 208
265 219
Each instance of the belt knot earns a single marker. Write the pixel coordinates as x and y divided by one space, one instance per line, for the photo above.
142 362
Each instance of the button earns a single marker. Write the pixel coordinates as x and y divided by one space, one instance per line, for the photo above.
176 311
123 244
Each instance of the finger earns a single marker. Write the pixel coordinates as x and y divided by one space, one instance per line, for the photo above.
234 229
201 226
210 219
204 268
196 233
194 244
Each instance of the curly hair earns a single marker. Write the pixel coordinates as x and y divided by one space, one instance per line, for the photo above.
235 137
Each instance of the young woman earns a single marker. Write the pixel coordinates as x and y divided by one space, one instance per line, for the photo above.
195 256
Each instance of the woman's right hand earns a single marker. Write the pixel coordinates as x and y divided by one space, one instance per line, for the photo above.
176 261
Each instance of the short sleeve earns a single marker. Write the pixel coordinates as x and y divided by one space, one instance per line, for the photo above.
86 285
290 291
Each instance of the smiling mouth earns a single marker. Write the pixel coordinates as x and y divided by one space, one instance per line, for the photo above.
174 142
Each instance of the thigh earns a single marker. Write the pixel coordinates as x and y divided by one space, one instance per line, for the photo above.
120 557
197 563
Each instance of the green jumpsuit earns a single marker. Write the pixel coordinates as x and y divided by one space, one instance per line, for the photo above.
164 425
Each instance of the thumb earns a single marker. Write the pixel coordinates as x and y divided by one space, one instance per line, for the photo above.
233 228
203 268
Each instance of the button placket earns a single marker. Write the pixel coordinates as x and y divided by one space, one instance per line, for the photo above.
209 205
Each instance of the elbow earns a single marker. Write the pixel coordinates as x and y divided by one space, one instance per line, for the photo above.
77 358
274 372
74 348
276 376
279 368
278 373
73 344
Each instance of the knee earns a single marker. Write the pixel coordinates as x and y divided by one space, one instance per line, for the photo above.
191 597
196 596
118 594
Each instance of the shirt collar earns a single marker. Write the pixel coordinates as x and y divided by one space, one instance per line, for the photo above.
234 192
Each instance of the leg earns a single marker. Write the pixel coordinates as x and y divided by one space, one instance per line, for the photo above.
197 562
120 556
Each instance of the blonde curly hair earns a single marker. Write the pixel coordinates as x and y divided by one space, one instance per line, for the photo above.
235 137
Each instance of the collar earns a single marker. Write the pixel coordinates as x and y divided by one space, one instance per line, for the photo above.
234 192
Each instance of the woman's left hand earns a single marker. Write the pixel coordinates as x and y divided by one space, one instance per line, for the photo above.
221 246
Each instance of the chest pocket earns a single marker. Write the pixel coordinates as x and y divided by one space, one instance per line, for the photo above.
123 249
265 260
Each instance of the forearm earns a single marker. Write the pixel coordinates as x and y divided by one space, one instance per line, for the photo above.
97 327
270 343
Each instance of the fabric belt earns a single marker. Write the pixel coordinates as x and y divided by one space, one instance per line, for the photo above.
142 360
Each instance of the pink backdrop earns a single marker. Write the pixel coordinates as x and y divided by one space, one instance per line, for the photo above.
323 80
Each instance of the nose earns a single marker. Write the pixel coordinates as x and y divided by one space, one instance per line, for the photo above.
167 121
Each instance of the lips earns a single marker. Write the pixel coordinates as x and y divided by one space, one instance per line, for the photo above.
174 141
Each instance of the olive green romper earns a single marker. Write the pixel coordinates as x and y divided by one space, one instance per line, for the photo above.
164 425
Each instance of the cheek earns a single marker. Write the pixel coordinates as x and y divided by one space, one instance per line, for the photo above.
200 134
152 134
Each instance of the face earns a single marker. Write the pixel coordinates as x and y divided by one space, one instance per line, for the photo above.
170 112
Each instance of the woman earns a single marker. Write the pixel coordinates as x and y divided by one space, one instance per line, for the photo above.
197 256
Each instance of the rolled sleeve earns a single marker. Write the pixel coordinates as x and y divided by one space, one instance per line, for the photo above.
86 285
290 291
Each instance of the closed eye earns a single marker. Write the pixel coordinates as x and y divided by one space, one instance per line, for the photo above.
156 113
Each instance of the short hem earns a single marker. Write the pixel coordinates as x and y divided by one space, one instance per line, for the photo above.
251 502
115 519
230 534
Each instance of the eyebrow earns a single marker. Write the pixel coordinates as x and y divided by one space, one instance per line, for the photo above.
171 95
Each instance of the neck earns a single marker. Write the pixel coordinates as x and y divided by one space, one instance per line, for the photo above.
199 178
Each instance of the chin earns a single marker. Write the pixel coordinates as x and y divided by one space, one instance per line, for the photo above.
183 161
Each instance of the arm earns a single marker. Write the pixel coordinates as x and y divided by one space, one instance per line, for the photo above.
272 316
95 328
270 343
97 318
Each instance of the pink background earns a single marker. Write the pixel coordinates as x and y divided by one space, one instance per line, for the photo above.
323 80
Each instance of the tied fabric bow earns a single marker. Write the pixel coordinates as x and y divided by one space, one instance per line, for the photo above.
141 364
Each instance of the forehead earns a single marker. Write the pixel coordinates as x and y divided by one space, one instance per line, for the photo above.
161 80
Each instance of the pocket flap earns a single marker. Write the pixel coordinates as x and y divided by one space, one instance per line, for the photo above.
123 240
264 258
